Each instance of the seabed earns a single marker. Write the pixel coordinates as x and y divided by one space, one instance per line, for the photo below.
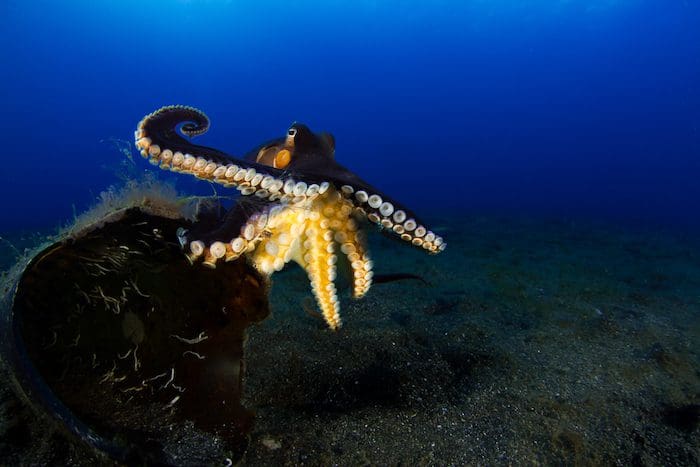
534 342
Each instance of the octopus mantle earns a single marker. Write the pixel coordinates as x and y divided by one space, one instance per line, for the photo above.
298 204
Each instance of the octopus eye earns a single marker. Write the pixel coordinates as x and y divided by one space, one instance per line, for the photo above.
282 159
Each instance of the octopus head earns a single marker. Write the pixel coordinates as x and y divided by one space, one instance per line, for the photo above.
300 147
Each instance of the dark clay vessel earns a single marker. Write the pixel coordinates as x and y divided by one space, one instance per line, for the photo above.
111 333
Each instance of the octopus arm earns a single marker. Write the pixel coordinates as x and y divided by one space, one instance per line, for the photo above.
161 132
241 230
382 210
160 138
229 224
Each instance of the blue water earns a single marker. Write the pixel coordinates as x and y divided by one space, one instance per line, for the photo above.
574 109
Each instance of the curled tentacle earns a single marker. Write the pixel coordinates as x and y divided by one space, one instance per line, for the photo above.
157 139
158 132
242 229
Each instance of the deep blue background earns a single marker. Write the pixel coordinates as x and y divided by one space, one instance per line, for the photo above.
576 109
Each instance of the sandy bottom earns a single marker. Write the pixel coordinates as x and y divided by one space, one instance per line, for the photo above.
534 342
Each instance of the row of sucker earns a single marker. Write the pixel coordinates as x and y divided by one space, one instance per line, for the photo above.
320 264
251 234
241 176
384 214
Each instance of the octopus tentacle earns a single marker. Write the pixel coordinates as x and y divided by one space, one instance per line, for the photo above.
241 233
158 140
320 263
157 132
388 214
372 204
230 222
281 239
353 246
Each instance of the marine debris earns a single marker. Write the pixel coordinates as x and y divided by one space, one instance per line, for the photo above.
108 331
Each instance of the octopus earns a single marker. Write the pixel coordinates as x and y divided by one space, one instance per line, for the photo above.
298 204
